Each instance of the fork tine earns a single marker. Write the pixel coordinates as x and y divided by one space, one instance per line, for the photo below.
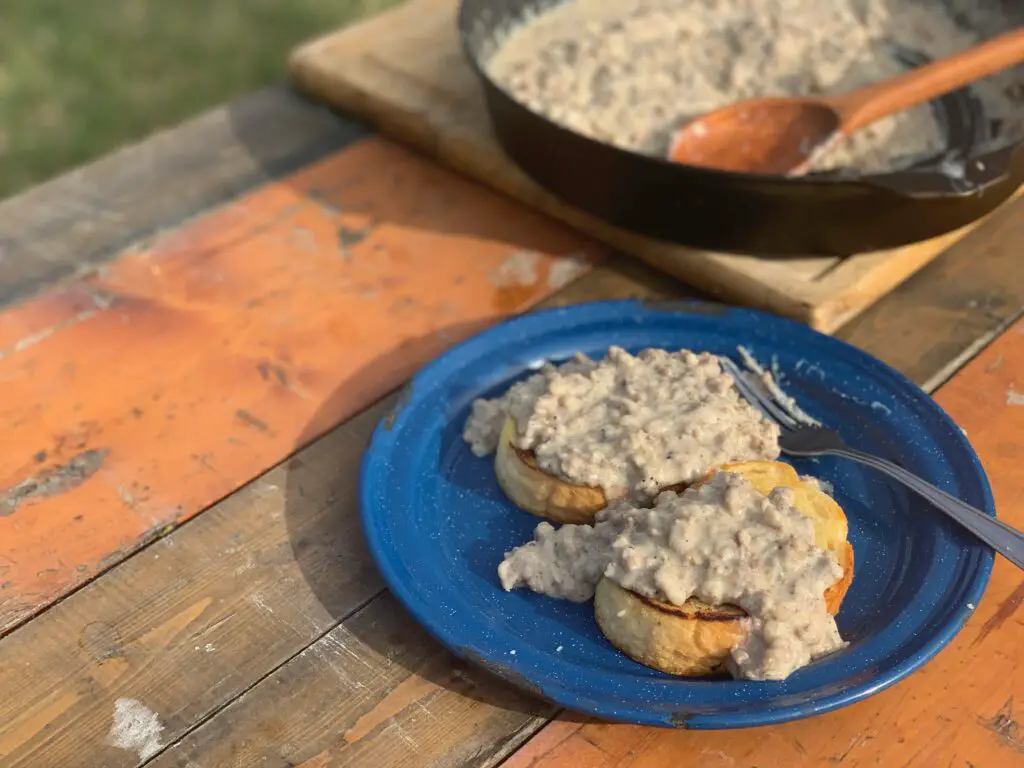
757 397
778 412
771 391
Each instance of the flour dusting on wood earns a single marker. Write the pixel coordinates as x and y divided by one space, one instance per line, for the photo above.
136 728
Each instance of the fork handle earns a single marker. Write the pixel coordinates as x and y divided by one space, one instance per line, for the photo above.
1004 539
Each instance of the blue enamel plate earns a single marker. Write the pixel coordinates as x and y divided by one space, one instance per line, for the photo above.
438 525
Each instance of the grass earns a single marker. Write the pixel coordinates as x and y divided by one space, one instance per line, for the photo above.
79 78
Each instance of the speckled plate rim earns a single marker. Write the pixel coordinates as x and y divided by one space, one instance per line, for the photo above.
539 672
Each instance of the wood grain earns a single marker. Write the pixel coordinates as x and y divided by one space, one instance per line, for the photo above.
196 638
890 328
962 709
85 218
932 324
288 538
257 582
135 398
188 624
404 72
396 730
406 703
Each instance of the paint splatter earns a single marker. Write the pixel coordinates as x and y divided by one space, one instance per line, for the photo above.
135 728
566 269
1013 397
261 604
518 269
53 481
1006 727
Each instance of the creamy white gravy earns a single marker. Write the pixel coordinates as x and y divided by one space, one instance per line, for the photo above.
629 72
723 543
628 423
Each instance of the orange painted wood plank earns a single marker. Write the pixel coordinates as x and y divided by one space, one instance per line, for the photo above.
136 397
965 708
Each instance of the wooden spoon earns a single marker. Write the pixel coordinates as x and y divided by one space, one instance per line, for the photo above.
786 135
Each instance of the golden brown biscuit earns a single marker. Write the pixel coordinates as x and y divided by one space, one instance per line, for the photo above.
542 494
695 638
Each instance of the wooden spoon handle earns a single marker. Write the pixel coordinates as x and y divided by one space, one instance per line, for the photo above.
865 105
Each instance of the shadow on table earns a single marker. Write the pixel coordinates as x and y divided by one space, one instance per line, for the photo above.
363 183
286 134
385 186
322 516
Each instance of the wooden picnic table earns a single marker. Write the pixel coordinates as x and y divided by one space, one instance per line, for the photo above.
198 335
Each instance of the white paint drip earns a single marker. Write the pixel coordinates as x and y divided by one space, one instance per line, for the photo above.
1013 397
135 728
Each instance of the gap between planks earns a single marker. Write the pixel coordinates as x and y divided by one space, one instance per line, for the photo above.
72 225
127 603
120 650
942 312
344 272
204 745
959 709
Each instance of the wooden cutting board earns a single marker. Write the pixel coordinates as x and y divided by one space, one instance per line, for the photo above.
404 72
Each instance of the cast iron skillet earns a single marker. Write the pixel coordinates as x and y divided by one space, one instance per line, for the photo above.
745 213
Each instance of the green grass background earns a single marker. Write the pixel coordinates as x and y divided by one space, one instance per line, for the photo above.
79 78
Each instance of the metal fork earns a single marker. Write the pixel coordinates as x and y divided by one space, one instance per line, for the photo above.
803 437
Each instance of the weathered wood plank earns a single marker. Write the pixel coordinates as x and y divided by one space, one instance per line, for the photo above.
197 618
323 591
961 298
962 709
937 320
397 702
964 294
133 399
86 217
187 610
